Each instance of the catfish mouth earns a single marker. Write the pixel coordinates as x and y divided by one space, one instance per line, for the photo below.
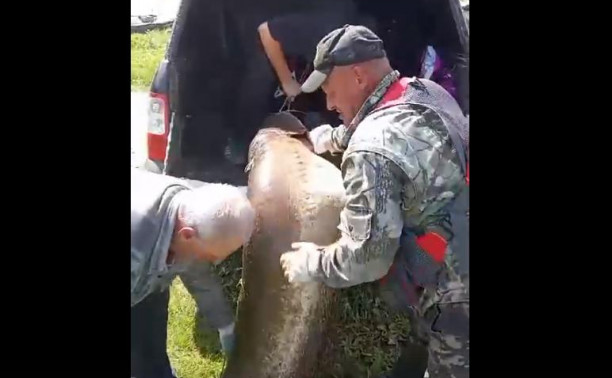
278 125
284 121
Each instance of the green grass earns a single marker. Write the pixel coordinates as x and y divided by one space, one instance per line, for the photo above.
193 352
147 51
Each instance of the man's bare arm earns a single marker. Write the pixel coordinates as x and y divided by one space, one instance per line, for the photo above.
275 54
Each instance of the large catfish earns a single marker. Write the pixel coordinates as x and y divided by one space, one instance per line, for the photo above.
298 196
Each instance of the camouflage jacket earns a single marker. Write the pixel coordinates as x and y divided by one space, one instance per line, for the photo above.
400 172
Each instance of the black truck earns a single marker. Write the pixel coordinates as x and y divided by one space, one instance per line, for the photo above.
193 93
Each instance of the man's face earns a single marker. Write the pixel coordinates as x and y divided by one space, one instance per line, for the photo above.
217 249
345 90
188 244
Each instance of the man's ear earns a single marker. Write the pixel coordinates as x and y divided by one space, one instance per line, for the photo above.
359 76
187 233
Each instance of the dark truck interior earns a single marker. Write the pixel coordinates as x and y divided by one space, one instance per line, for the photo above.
213 41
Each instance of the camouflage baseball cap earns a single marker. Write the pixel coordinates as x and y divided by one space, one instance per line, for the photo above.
344 46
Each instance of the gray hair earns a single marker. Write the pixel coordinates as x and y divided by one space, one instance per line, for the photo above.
217 210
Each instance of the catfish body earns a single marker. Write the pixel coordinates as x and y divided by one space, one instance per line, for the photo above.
298 196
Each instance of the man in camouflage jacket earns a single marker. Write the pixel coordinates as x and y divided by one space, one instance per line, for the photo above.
404 167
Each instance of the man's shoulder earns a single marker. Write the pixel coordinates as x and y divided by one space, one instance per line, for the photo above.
408 135
147 186
145 178
398 125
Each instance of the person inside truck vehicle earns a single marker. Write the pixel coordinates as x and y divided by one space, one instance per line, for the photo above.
441 58
287 37
173 228
297 35
433 67
405 221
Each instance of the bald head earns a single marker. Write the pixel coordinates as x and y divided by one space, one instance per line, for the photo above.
213 221
347 87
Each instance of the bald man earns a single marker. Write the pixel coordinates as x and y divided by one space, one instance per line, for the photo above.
174 228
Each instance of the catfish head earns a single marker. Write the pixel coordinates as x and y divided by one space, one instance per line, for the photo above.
283 125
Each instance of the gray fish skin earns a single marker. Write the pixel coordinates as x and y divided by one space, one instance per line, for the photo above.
298 196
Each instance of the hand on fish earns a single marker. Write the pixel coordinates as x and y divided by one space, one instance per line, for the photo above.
321 138
295 263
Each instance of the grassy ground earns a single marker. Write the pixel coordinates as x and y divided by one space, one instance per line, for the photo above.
147 51
193 351
367 336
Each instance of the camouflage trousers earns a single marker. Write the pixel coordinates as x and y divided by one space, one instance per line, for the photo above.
439 321
447 321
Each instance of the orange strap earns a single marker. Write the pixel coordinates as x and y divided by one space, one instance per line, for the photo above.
434 245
